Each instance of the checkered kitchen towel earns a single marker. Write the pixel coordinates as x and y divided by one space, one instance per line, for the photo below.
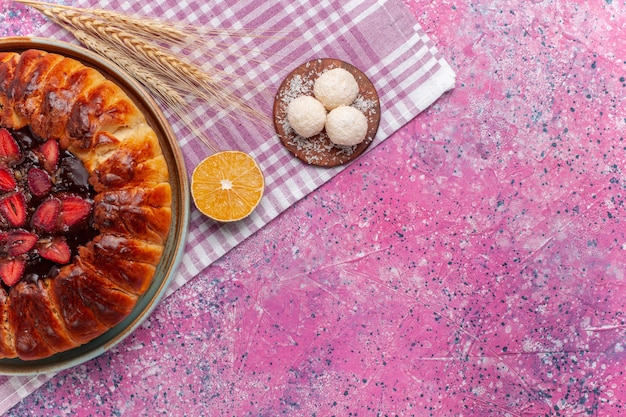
379 37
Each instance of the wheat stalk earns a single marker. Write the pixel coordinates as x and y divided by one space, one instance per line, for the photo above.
165 92
146 77
143 47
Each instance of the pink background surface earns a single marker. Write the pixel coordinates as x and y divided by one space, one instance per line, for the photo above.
471 265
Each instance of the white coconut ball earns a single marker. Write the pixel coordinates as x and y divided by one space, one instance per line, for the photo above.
346 126
306 115
336 87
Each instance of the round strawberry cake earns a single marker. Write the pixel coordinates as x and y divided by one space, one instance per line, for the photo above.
85 204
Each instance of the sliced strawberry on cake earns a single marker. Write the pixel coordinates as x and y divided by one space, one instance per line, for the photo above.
46 216
74 209
7 180
9 149
39 182
11 270
13 208
49 154
19 242
54 249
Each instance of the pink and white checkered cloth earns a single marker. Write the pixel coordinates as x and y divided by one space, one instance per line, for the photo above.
380 37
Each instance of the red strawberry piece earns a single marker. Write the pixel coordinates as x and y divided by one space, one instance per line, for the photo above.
50 153
20 241
47 215
11 270
13 208
39 182
3 241
7 180
74 209
9 149
54 249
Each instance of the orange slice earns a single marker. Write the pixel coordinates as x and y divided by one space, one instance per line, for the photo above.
227 186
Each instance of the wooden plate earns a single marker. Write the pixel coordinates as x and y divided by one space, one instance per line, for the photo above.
319 150
175 243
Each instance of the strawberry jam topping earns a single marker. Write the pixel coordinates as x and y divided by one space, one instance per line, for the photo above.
45 206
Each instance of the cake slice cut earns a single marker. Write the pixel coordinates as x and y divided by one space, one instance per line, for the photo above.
134 212
89 303
26 91
37 331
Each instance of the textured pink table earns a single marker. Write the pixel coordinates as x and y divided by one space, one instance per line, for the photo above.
472 265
